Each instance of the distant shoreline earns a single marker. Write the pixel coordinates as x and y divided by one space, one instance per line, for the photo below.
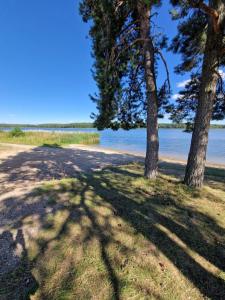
87 125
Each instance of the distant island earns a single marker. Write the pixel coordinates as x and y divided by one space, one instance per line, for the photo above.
89 125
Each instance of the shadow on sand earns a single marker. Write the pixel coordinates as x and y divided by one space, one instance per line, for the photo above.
46 163
16 279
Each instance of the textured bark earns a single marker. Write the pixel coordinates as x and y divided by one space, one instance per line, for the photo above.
194 175
152 149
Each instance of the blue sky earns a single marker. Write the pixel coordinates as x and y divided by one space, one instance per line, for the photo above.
45 61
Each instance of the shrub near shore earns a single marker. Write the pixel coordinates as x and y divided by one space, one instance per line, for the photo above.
48 138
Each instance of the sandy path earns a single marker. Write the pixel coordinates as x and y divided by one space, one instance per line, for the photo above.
23 167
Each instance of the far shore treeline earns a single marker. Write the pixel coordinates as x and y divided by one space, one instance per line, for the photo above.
90 125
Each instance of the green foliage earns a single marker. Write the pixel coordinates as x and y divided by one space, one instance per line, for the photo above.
119 63
16 132
53 139
190 43
186 103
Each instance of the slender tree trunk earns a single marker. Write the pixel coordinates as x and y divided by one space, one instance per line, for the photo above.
194 175
151 160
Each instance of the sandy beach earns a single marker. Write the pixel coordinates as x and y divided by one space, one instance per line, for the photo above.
23 167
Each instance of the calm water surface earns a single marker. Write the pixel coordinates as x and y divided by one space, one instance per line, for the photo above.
173 142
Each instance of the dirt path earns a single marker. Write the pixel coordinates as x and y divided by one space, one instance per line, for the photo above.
23 166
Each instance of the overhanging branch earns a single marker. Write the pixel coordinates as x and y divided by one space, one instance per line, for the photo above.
209 11
166 67
127 47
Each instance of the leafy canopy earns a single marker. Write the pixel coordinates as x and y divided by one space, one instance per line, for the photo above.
190 43
119 62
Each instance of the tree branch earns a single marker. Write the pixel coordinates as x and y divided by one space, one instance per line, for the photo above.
128 46
209 11
220 80
128 26
166 67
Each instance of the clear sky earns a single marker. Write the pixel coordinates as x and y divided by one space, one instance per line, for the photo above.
45 61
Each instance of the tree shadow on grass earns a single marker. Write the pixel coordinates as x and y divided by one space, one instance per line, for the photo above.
161 216
94 230
178 169
149 219
41 208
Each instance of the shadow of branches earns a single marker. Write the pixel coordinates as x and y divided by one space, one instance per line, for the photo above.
16 280
184 223
87 217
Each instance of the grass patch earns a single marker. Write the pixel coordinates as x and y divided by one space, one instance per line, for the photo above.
50 139
115 235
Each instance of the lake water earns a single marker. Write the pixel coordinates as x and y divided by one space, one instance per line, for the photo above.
174 143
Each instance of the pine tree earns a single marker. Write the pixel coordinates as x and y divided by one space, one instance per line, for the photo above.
201 42
185 107
126 48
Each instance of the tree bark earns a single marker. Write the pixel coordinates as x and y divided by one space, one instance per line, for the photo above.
194 174
152 149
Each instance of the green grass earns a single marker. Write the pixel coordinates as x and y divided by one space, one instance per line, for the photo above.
115 235
49 138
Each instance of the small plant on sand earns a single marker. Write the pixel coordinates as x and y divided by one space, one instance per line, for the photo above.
16 132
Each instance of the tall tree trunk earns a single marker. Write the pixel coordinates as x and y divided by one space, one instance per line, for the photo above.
152 149
194 175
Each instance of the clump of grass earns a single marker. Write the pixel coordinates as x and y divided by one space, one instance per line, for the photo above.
16 132
52 139
116 235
